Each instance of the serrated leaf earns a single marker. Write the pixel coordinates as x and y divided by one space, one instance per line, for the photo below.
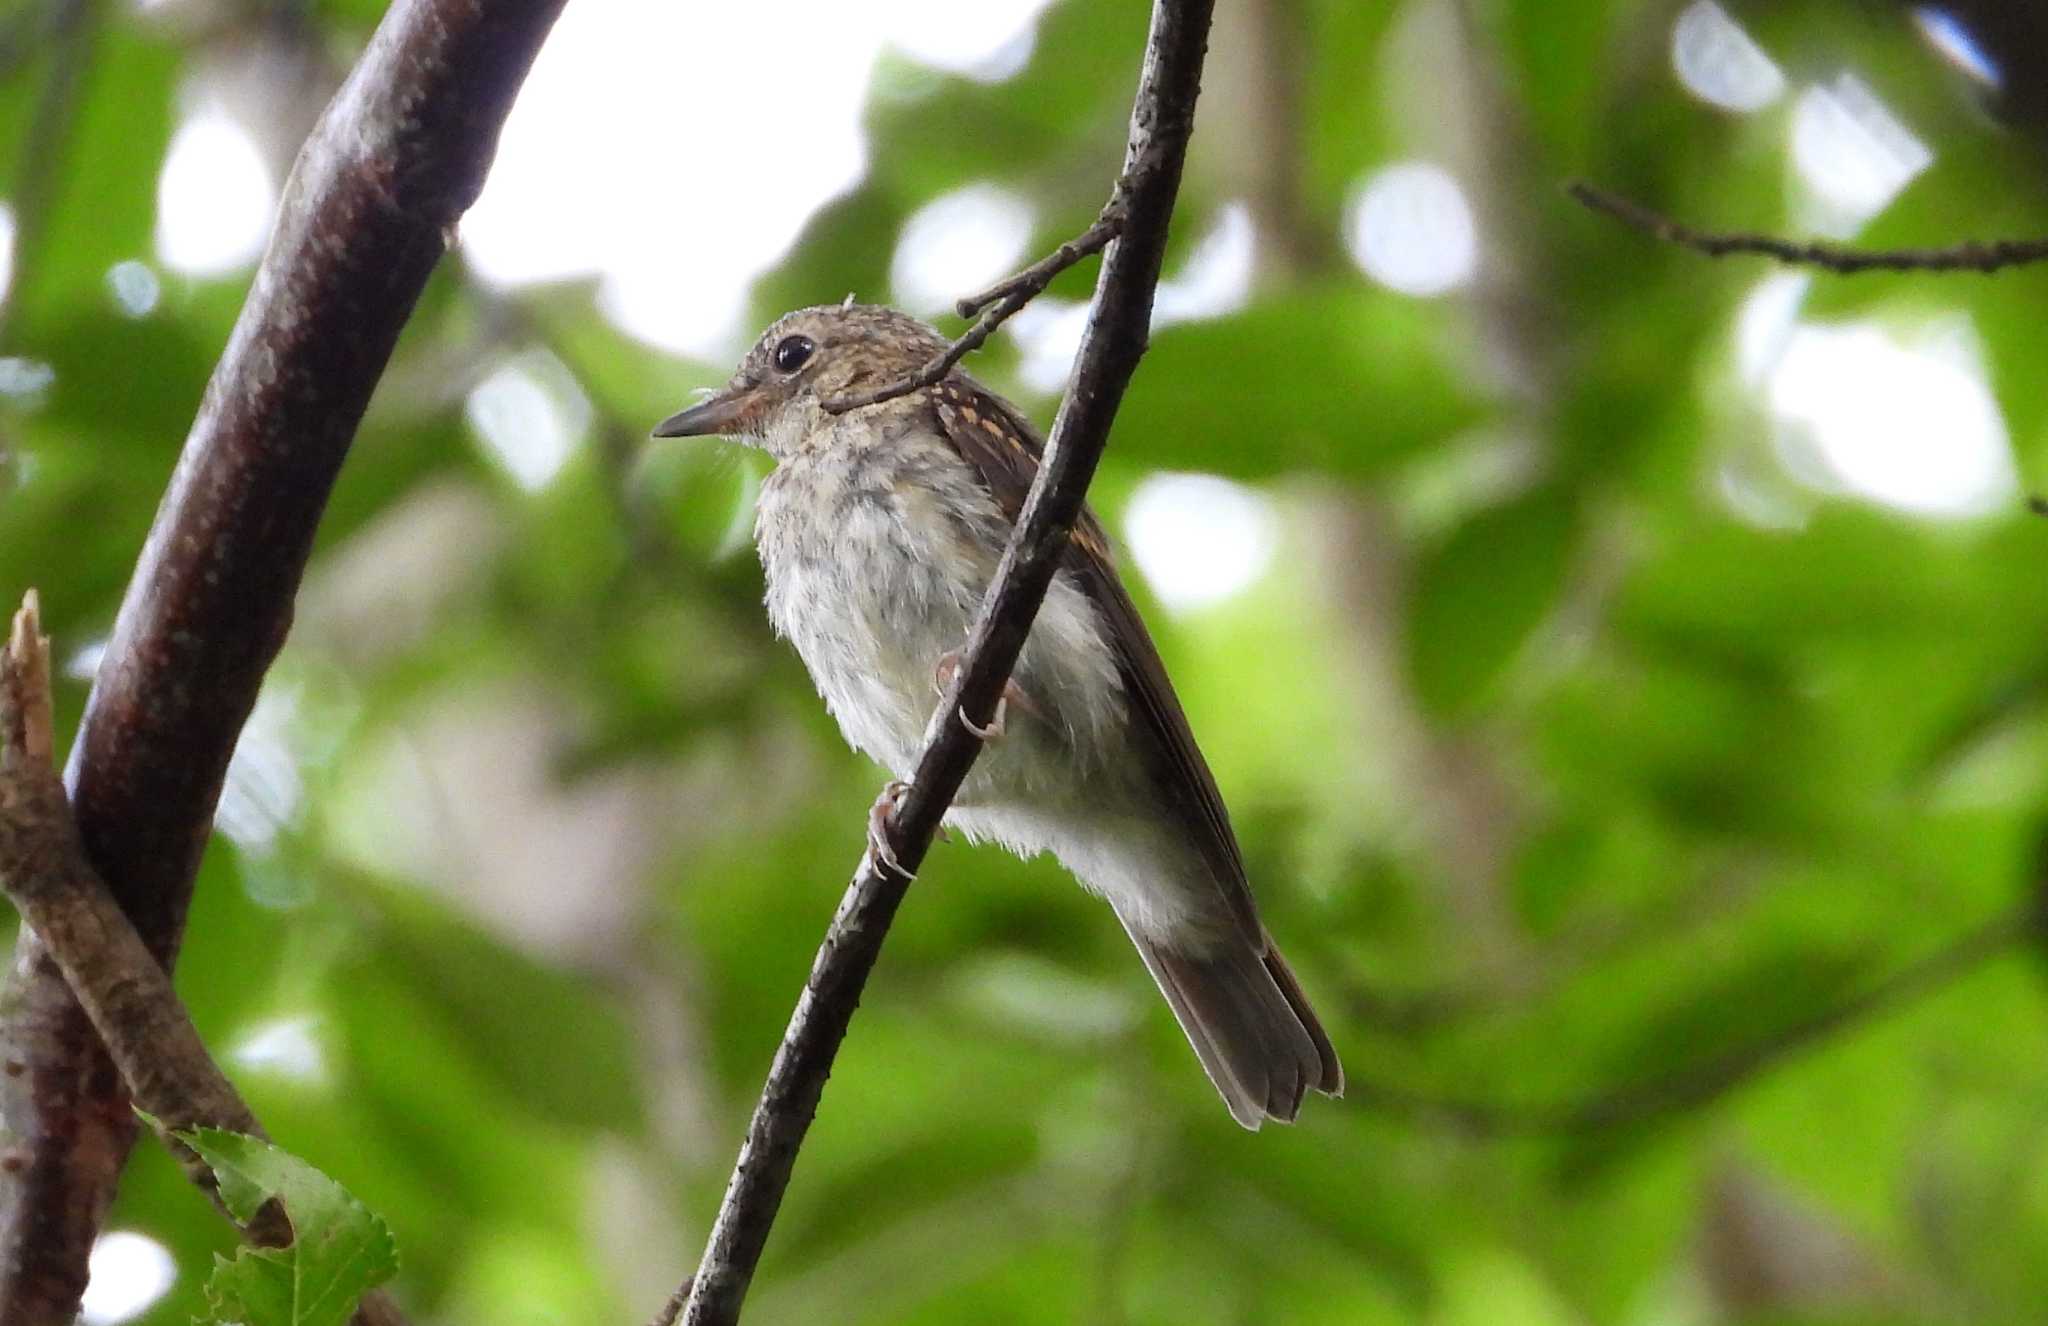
340 1249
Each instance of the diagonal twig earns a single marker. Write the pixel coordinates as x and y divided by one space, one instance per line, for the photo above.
116 979
1972 256
1162 117
995 305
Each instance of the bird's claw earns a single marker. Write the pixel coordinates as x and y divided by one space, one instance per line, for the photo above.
995 728
942 680
942 672
879 817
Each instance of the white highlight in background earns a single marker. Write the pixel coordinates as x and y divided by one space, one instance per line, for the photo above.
1957 44
285 1047
1410 228
987 40
214 199
1910 424
1719 63
1217 277
617 161
84 663
529 414
958 244
6 250
128 1272
25 379
263 790
675 152
135 288
1852 153
1765 323
1199 539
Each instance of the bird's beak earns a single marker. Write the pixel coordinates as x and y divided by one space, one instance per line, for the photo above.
731 411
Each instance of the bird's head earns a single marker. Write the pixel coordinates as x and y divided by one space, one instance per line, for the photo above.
806 358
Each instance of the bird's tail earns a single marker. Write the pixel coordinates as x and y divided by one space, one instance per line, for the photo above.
1249 1023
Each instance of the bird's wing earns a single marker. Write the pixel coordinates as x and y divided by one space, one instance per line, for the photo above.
994 438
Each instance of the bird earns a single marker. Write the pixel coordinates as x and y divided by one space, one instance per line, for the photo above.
879 529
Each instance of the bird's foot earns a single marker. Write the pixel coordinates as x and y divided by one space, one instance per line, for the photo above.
880 816
996 725
942 680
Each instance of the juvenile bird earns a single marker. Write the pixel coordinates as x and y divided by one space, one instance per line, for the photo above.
879 531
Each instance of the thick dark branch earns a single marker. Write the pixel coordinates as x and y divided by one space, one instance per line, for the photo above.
1161 120
1972 256
1000 301
1696 1085
398 157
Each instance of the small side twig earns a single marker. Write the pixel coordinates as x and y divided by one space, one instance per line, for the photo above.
1162 119
672 1310
116 980
1972 256
999 301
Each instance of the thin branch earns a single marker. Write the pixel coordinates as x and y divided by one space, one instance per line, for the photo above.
1000 301
1971 256
673 1309
1032 281
138 1015
399 155
1162 118
1699 1084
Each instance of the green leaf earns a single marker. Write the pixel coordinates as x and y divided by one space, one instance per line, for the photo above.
1344 380
340 1250
101 210
1480 594
546 1042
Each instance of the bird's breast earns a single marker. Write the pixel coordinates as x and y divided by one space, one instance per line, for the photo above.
876 565
872 581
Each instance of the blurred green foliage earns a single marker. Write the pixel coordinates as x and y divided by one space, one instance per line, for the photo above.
1568 779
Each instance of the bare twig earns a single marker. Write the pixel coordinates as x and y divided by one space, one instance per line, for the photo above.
1000 301
1696 1085
113 975
1161 120
677 1301
1972 256
398 157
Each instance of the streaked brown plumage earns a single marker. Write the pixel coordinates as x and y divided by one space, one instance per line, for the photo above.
879 531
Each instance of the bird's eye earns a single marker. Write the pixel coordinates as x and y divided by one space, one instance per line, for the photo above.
793 352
